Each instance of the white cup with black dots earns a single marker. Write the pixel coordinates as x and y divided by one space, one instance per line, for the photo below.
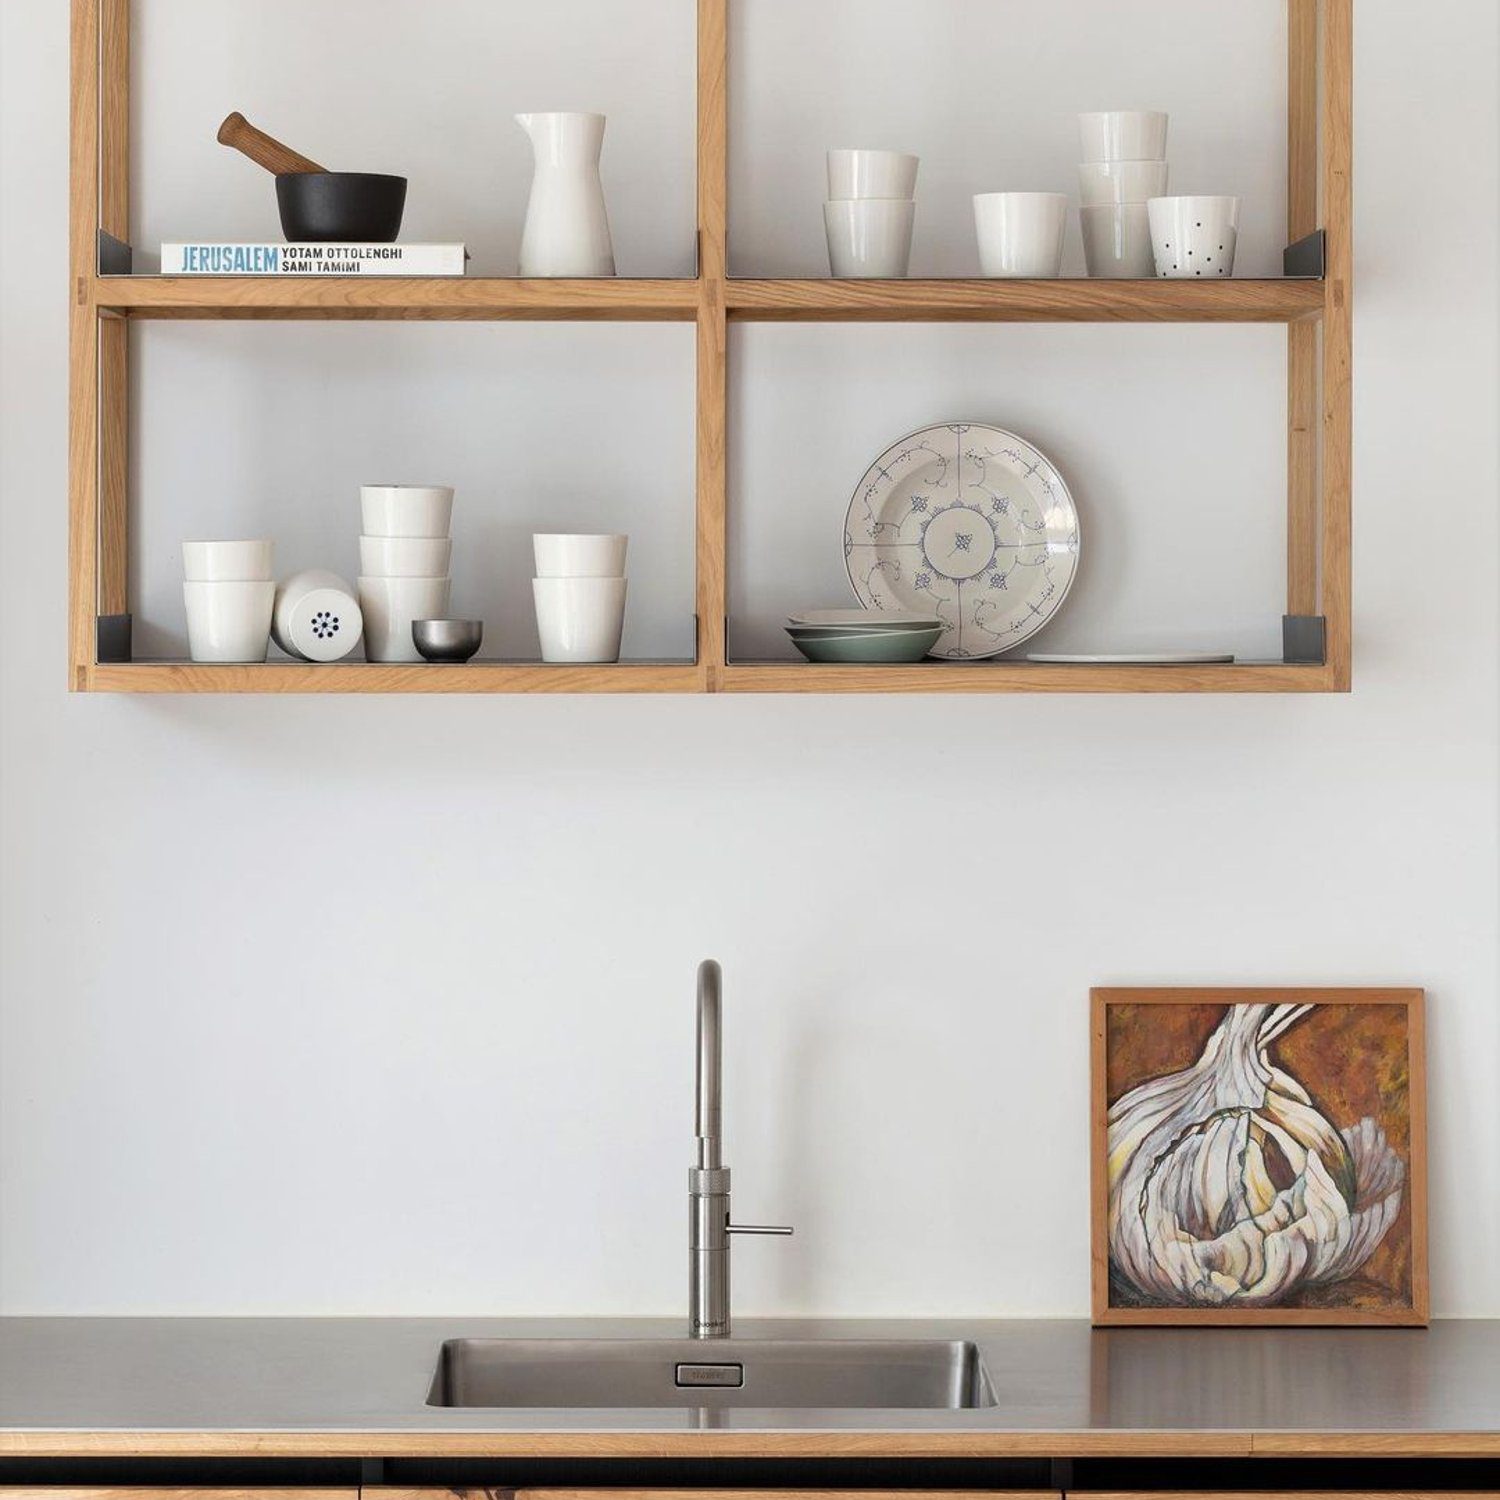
1194 238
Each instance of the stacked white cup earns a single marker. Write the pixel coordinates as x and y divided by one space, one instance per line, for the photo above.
229 593
1124 166
870 212
579 590
404 557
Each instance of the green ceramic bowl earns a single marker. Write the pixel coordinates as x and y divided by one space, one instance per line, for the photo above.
884 646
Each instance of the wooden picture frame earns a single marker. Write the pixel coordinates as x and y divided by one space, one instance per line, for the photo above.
1281 1239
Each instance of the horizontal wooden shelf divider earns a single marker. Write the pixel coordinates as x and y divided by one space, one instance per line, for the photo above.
685 677
369 677
461 298
1021 677
1086 301
454 298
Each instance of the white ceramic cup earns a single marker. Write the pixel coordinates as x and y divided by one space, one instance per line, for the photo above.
228 562
390 605
405 556
1194 237
1102 184
871 174
406 509
579 619
317 617
1117 241
565 555
229 620
1123 135
1020 234
869 236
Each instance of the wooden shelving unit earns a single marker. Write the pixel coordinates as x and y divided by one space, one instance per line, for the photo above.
1316 312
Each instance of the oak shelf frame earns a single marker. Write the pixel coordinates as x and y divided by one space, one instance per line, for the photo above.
1317 315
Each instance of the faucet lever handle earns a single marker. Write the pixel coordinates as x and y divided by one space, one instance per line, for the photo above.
758 1229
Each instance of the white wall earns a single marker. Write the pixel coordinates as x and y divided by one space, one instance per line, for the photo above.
343 1005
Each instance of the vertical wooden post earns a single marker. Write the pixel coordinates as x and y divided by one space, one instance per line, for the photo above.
1338 335
1302 337
83 347
712 382
114 117
114 333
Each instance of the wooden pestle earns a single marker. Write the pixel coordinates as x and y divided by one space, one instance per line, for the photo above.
264 150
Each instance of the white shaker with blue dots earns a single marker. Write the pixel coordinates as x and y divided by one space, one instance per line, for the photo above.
317 617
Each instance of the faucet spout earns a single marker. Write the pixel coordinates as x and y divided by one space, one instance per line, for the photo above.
708 1182
710 1116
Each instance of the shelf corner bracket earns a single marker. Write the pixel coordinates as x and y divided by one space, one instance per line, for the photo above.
1307 258
1304 640
112 638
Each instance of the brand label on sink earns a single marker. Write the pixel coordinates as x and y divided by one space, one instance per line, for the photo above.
731 1375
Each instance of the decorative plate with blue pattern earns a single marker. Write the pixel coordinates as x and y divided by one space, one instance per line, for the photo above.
969 523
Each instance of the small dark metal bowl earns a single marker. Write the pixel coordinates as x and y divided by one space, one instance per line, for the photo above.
352 207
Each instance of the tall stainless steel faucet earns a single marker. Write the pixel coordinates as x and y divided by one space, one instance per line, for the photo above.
708 1182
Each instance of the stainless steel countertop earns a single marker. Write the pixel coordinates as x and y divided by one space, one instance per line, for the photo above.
371 1375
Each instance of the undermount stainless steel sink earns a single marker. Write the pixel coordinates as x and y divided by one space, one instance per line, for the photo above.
778 1374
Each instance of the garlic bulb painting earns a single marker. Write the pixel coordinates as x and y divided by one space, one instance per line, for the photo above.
1257 1156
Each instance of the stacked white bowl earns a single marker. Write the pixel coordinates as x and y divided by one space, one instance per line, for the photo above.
579 591
870 212
1124 166
229 593
404 557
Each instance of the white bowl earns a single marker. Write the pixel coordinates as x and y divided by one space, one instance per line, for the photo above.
1102 184
405 556
576 555
871 174
229 621
869 236
1117 241
228 562
391 604
406 509
317 617
1123 135
1020 234
579 619
1194 237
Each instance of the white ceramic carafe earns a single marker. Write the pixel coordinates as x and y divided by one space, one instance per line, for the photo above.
567 225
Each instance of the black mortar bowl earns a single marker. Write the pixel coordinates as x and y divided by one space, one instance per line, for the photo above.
350 207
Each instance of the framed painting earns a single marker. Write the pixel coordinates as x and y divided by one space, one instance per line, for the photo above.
1259 1156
